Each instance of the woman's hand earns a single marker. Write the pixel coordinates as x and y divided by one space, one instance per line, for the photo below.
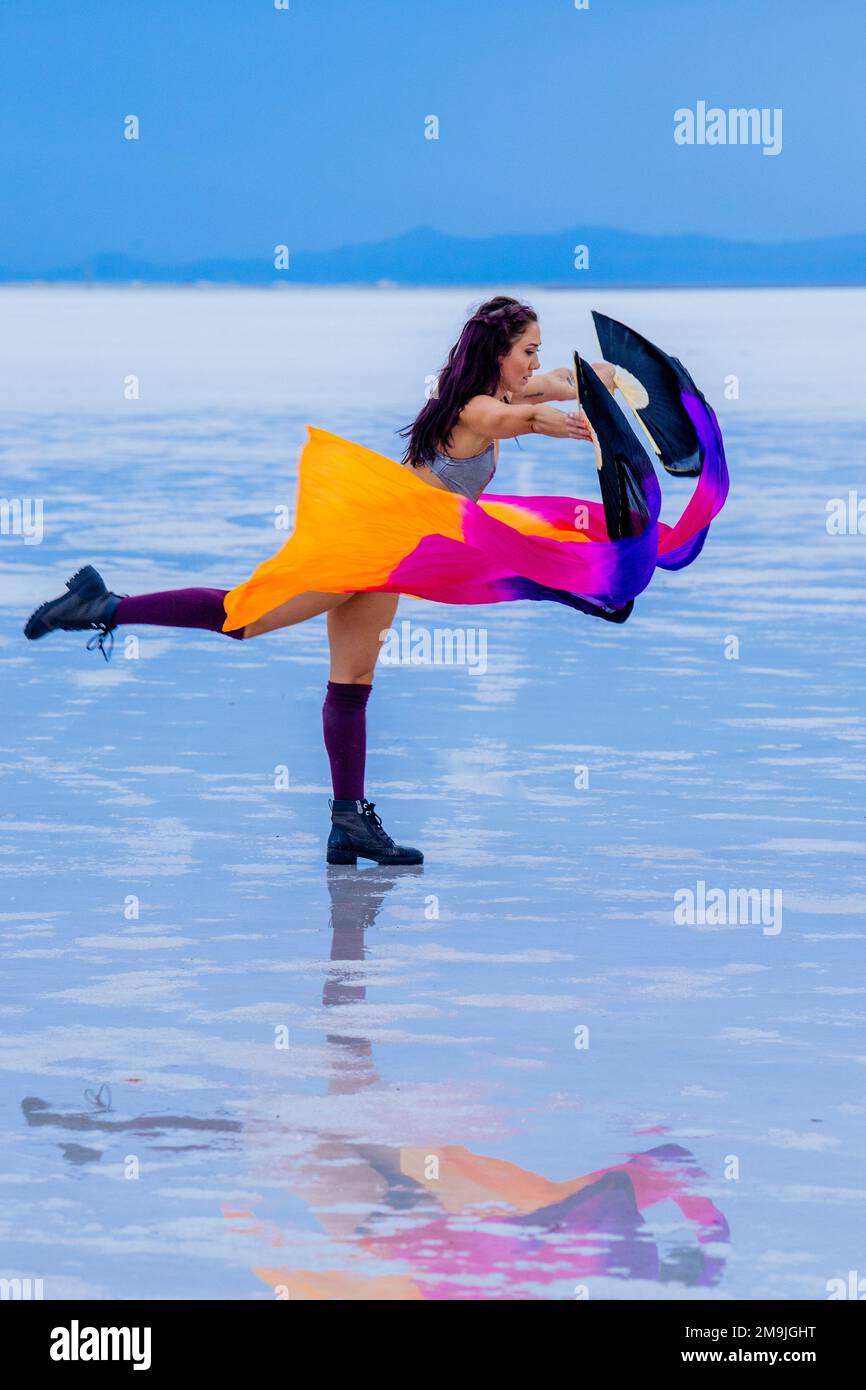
560 424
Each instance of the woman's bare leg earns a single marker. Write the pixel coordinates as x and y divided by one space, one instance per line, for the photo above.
354 630
354 624
297 610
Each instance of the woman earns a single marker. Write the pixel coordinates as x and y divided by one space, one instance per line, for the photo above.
369 528
486 393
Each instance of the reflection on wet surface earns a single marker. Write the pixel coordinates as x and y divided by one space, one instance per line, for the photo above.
425 1221
227 1072
444 1222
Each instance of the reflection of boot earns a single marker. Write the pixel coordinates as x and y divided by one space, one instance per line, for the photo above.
355 902
352 911
39 1112
356 898
102 1123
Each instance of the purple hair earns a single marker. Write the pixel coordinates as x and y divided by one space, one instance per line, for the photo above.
472 369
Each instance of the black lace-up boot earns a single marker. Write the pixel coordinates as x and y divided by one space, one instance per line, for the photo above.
87 604
356 831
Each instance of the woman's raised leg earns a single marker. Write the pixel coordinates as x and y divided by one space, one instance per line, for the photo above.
89 604
296 610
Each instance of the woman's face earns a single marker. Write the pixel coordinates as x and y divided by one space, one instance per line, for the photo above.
517 367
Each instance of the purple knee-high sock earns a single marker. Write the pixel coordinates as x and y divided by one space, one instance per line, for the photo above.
202 608
344 722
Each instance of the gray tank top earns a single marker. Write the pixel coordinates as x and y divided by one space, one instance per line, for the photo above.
468 476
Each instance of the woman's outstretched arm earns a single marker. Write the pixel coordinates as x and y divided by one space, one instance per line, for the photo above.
492 419
559 384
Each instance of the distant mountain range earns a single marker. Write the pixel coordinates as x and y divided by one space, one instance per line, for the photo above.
424 256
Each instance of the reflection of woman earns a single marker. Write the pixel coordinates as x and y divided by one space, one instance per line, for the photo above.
442 1222
367 531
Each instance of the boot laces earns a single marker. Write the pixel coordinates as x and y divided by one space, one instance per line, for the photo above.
375 822
97 641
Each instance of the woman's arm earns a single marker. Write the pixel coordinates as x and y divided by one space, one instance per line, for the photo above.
559 384
486 416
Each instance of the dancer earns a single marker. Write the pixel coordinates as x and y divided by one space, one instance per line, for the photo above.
369 529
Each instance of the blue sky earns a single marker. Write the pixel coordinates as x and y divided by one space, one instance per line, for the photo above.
305 126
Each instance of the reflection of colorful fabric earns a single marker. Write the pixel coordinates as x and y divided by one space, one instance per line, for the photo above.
570 1230
365 522
506 1229
465 1179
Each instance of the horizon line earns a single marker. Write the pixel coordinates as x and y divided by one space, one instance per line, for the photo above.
385 285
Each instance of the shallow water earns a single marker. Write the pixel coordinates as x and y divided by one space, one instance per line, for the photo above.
226 1071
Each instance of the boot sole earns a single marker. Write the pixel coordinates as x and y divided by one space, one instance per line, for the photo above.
351 856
